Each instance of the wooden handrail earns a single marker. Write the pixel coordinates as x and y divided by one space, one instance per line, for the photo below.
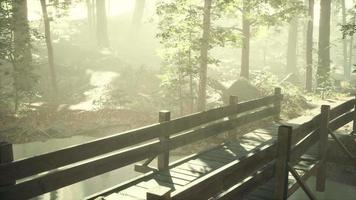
227 175
41 163
73 174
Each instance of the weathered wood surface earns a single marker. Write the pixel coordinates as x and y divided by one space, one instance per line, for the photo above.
226 164
266 190
282 160
218 169
206 171
32 166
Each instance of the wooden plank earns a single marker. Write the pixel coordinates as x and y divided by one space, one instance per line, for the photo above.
219 127
115 196
341 121
233 100
195 168
304 129
227 175
342 146
205 163
217 158
178 175
293 186
354 117
66 176
186 172
163 159
155 182
134 192
6 156
323 145
277 103
303 146
281 168
159 193
171 179
342 109
223 155
34 165
303 185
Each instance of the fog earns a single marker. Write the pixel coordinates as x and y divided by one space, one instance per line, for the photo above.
76 71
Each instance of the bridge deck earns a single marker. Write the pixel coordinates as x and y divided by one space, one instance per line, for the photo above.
305 168
189 170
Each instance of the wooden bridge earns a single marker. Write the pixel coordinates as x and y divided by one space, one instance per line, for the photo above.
267 163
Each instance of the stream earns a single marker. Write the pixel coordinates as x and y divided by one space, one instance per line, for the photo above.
81 189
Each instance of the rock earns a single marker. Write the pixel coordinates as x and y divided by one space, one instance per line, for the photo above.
243 89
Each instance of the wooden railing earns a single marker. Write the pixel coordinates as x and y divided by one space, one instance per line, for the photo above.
277 160
308 134
30 177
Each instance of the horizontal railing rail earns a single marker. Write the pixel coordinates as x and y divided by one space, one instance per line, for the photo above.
300 140
51 171
34 165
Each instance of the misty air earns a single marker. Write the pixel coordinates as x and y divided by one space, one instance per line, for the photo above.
177 99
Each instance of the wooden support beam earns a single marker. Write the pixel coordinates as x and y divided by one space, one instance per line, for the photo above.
163 159
143 167
342 146
323 146
277 103
159 193
281 168
6 156
233 100
354 118
304 186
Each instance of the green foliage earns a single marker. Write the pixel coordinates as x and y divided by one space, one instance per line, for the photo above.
349 29
294 102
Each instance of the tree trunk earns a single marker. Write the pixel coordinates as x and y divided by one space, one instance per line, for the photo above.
191 89
323 71
22 49
204 57
101 24
309 48
245 51
138 13
49 49
91 18
350 56
347 69
292 47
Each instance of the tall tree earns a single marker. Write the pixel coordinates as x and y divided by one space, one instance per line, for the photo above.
49 45
292 47
204 56
91 18
257 13
347 70
323 70
309 48
245 50
22 49
138 13
101 24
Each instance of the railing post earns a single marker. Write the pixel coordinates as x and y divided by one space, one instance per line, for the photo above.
232 101
354 118
163 159
159 193
281 167
6 155
323 142
277 103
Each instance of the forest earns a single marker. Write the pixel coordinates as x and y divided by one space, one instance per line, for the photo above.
68 67
84 69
